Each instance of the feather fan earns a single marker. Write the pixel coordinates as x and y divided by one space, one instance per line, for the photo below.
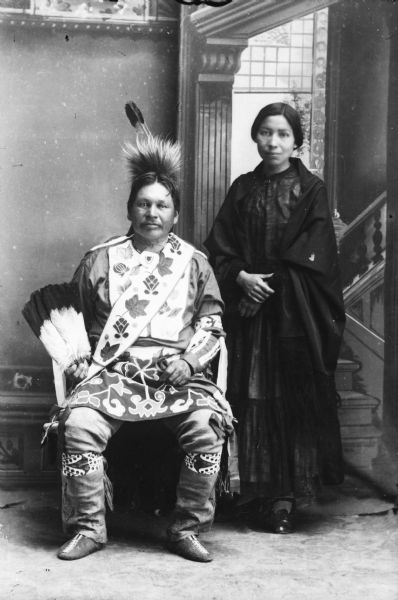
54 314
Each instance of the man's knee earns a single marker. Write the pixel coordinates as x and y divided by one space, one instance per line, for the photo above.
86 430
200 432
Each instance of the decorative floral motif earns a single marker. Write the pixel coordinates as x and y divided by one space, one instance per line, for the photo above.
136 307
146 407
164 265
21 381
109 351
168 388
120 268
84 397
125 253
140 396
151 283
175 244
143 369
121 325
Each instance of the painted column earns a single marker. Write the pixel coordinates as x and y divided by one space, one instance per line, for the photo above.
213 132
207 70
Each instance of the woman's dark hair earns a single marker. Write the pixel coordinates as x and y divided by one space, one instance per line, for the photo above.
148 179
290 114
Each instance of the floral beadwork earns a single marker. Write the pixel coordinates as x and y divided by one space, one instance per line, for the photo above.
151 283
121 325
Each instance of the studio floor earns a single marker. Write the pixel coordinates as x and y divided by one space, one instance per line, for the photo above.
345 548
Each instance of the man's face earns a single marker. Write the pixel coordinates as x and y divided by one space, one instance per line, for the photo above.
152 213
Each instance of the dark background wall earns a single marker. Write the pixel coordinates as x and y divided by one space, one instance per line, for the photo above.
363 40
62 124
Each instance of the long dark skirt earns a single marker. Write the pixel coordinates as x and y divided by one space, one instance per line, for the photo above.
287 443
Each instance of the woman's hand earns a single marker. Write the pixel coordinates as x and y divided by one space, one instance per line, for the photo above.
248 308
176 372
255 285
76 372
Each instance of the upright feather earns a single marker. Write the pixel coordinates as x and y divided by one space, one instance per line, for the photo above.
136 118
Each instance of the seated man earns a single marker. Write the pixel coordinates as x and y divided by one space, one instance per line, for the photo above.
152 310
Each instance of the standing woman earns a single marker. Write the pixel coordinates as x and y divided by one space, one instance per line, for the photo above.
274 253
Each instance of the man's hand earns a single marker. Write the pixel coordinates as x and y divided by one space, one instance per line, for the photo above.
76 372
176 372
248 308
255 285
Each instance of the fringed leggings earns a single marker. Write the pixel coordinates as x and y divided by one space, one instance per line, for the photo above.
85 486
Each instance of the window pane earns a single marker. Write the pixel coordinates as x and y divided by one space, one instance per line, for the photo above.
270 82
297 26
295 69
270 53
270 68
246 54
241 81
257 82
244 68
296 54
297 40
283 68
257 53
283 82
257 68
295 83
308 25
283 54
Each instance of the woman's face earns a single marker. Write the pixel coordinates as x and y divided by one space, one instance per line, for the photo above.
275 143
152 213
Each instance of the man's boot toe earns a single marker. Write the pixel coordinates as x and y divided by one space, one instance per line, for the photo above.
190 548
78 547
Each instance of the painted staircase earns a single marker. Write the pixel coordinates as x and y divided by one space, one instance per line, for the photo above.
359 376
357 411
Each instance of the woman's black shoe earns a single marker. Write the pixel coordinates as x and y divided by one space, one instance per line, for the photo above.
281 521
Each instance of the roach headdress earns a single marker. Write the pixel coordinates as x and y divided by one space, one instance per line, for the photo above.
152 154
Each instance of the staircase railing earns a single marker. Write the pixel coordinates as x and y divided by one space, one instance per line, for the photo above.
363 241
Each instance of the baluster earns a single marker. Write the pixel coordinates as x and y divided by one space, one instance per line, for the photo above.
362 261
377 238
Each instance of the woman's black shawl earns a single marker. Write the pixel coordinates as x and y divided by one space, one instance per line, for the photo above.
308 251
